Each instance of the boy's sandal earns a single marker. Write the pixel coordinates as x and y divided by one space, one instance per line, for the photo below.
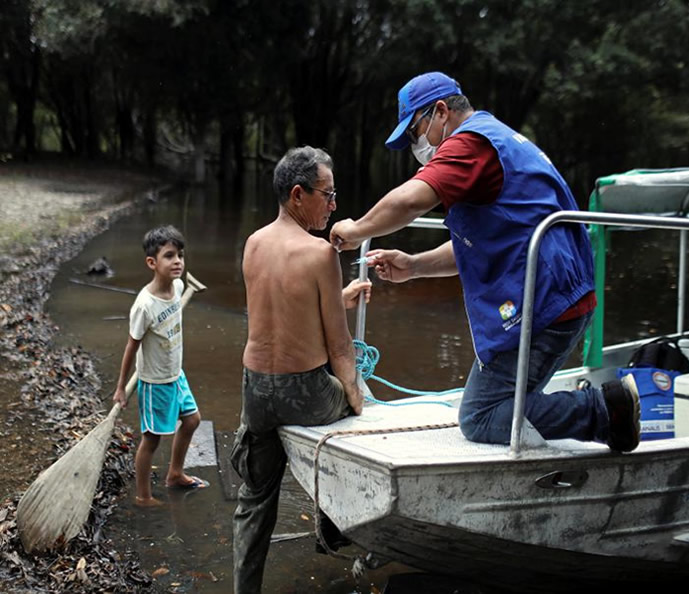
196 483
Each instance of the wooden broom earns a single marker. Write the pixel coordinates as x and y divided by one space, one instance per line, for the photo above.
56 505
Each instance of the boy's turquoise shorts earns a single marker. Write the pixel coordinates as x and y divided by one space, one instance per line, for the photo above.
161 405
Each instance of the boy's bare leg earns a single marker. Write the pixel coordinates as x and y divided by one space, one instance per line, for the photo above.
142 465
180 445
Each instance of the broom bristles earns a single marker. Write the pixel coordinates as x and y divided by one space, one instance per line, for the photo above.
56 505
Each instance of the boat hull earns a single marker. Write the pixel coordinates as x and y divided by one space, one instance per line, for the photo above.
505 563
480 513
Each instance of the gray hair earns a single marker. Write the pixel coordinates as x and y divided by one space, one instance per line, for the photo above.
458 103
299 166
156 238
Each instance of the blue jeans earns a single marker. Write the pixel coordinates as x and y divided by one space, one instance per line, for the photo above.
485 414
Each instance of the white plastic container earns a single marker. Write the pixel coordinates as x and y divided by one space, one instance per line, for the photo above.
682 405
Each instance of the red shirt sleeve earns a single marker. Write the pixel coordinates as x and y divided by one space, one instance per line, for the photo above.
465 168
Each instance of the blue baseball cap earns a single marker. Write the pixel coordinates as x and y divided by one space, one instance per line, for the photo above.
417 93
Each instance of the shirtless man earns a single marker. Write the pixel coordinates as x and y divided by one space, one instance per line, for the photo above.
299 362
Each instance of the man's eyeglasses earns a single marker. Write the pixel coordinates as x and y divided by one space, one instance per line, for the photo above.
330 196
410 132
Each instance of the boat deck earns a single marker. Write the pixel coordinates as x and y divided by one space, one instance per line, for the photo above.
405 436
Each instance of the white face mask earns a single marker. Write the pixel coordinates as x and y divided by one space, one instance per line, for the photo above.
423 150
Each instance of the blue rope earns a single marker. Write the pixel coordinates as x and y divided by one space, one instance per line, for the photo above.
366 363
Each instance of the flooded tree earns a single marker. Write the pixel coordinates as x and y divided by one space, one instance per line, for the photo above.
188 84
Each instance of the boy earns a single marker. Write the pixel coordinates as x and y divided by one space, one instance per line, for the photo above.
155 325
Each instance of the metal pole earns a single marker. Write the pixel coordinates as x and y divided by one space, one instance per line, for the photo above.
428 223
360 330
565 216
682 282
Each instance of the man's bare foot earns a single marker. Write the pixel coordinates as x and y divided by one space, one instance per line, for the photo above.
148 502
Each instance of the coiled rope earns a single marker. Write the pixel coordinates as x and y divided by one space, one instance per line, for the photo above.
366 362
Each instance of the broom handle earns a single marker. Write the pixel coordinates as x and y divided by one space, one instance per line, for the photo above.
131 384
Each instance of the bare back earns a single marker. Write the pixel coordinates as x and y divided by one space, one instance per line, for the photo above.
293 281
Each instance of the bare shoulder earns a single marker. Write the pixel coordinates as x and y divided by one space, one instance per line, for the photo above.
322 250
255 240
255 237
322 258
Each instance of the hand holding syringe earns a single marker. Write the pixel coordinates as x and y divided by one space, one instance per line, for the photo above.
369 260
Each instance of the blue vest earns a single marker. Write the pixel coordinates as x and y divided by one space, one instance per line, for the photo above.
490 243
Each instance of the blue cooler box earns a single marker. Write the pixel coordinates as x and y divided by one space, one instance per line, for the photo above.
657 392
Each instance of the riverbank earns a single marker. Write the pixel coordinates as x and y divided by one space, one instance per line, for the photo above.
49 396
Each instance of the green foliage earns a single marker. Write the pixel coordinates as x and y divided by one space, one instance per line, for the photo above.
70 27
601 85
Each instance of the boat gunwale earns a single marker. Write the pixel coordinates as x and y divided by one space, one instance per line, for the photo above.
576 451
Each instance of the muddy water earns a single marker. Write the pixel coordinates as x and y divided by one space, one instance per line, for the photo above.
190 541
419 328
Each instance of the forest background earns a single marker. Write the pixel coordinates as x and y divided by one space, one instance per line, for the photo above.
215 86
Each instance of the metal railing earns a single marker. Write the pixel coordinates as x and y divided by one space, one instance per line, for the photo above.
565 216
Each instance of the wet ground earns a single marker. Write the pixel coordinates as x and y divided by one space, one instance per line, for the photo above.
49 394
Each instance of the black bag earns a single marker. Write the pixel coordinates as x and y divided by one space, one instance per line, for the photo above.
663 353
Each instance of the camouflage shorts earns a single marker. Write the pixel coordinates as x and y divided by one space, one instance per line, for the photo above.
269 400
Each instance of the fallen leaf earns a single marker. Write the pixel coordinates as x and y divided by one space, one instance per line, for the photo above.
198 575
160 571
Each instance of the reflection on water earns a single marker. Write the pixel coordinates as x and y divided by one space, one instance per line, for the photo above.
419 328
189 542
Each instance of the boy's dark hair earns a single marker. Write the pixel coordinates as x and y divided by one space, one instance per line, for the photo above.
158 237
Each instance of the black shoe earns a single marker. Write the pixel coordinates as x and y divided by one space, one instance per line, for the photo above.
624 412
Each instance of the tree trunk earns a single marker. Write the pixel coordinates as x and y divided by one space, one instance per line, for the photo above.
23 84
150 136
125 130
226 165
200 153
92 128
238 142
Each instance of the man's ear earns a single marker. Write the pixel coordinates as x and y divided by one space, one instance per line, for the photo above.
151 262
442 109
297 193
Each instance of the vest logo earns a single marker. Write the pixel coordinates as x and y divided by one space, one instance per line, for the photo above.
507 310
662 380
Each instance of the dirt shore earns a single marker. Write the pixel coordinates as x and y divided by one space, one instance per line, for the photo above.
49 396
